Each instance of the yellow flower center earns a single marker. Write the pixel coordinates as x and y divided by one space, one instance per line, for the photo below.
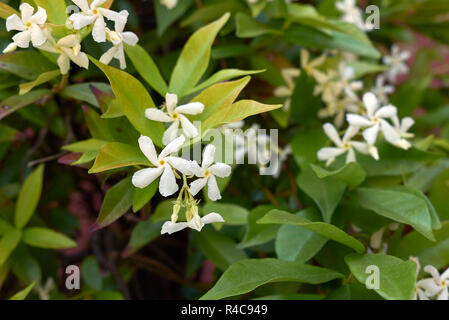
207 173
376 119
444 283
346 146
95 11
175 116
58 48
162 162
28 25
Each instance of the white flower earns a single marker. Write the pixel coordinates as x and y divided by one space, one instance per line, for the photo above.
435 287
163 165
374 121
310 67
329 154
207 173
349 87
351 13
118 37
338 109
195 223
289 75
327 86
176 116
396 62
93 14
30 27
381 90
170 4
68 49
402 127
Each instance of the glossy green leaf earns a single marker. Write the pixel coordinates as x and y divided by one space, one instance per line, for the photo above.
258 233
246 275
143 196
218 248
47 239
25 64
146 67
117 202
439 195
90 271
16 102
43 78
29 196
114 155
194 57
247 27
397 277
143 234
21 295
56 10
134 100
351 174
325 229
400 206
233 214
166 17
8 243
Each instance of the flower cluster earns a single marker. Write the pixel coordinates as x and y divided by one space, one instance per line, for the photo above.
352 14
33 29
434 288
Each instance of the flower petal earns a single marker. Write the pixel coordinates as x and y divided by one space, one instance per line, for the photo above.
212 189
387 112
371 103
196 169
172 147
14 23
370 134
170 133
10 48
157 115
329 153
64 63
26 11
107 57
191 108
130 38
99 30
189 129
40 17
37 36
212 217
143 178
171 100
82 4
358 120
208 156
221 170
81 20
167 184
97 3
391 135
332 133
170 227
109 14
197 185
22 39
147 147
182 165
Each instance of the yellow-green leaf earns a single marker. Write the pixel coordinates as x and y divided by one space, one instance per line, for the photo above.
6 11
21 295
43 78
9 242
47 239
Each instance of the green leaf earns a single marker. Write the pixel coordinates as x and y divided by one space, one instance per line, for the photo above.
90 271
146 67
326 192
351 174
305 104
16 102
247 27
21 295
24 265
117 202
25 64
295 243
43 78
143 196
85 146
8 243
223 75
241 110
7 133
134 100
29 196
399 206
397 277
218 248
84 92
325 229
4 226
6 11
246 275
428 252
47 239
143 234
114 155
233 214
166 17
257 233
439 195
194 57
56 10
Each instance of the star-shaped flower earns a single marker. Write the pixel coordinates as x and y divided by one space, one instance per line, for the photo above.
207 173
30 27
195 223
396 62
163 166
118 37
289 75
93 14
176 115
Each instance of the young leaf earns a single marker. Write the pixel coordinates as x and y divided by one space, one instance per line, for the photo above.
325 229
397 278
117 202
21 295
43 78
194 57
147 68
47 239
29 196
114 155
134 100
246 275
8 243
